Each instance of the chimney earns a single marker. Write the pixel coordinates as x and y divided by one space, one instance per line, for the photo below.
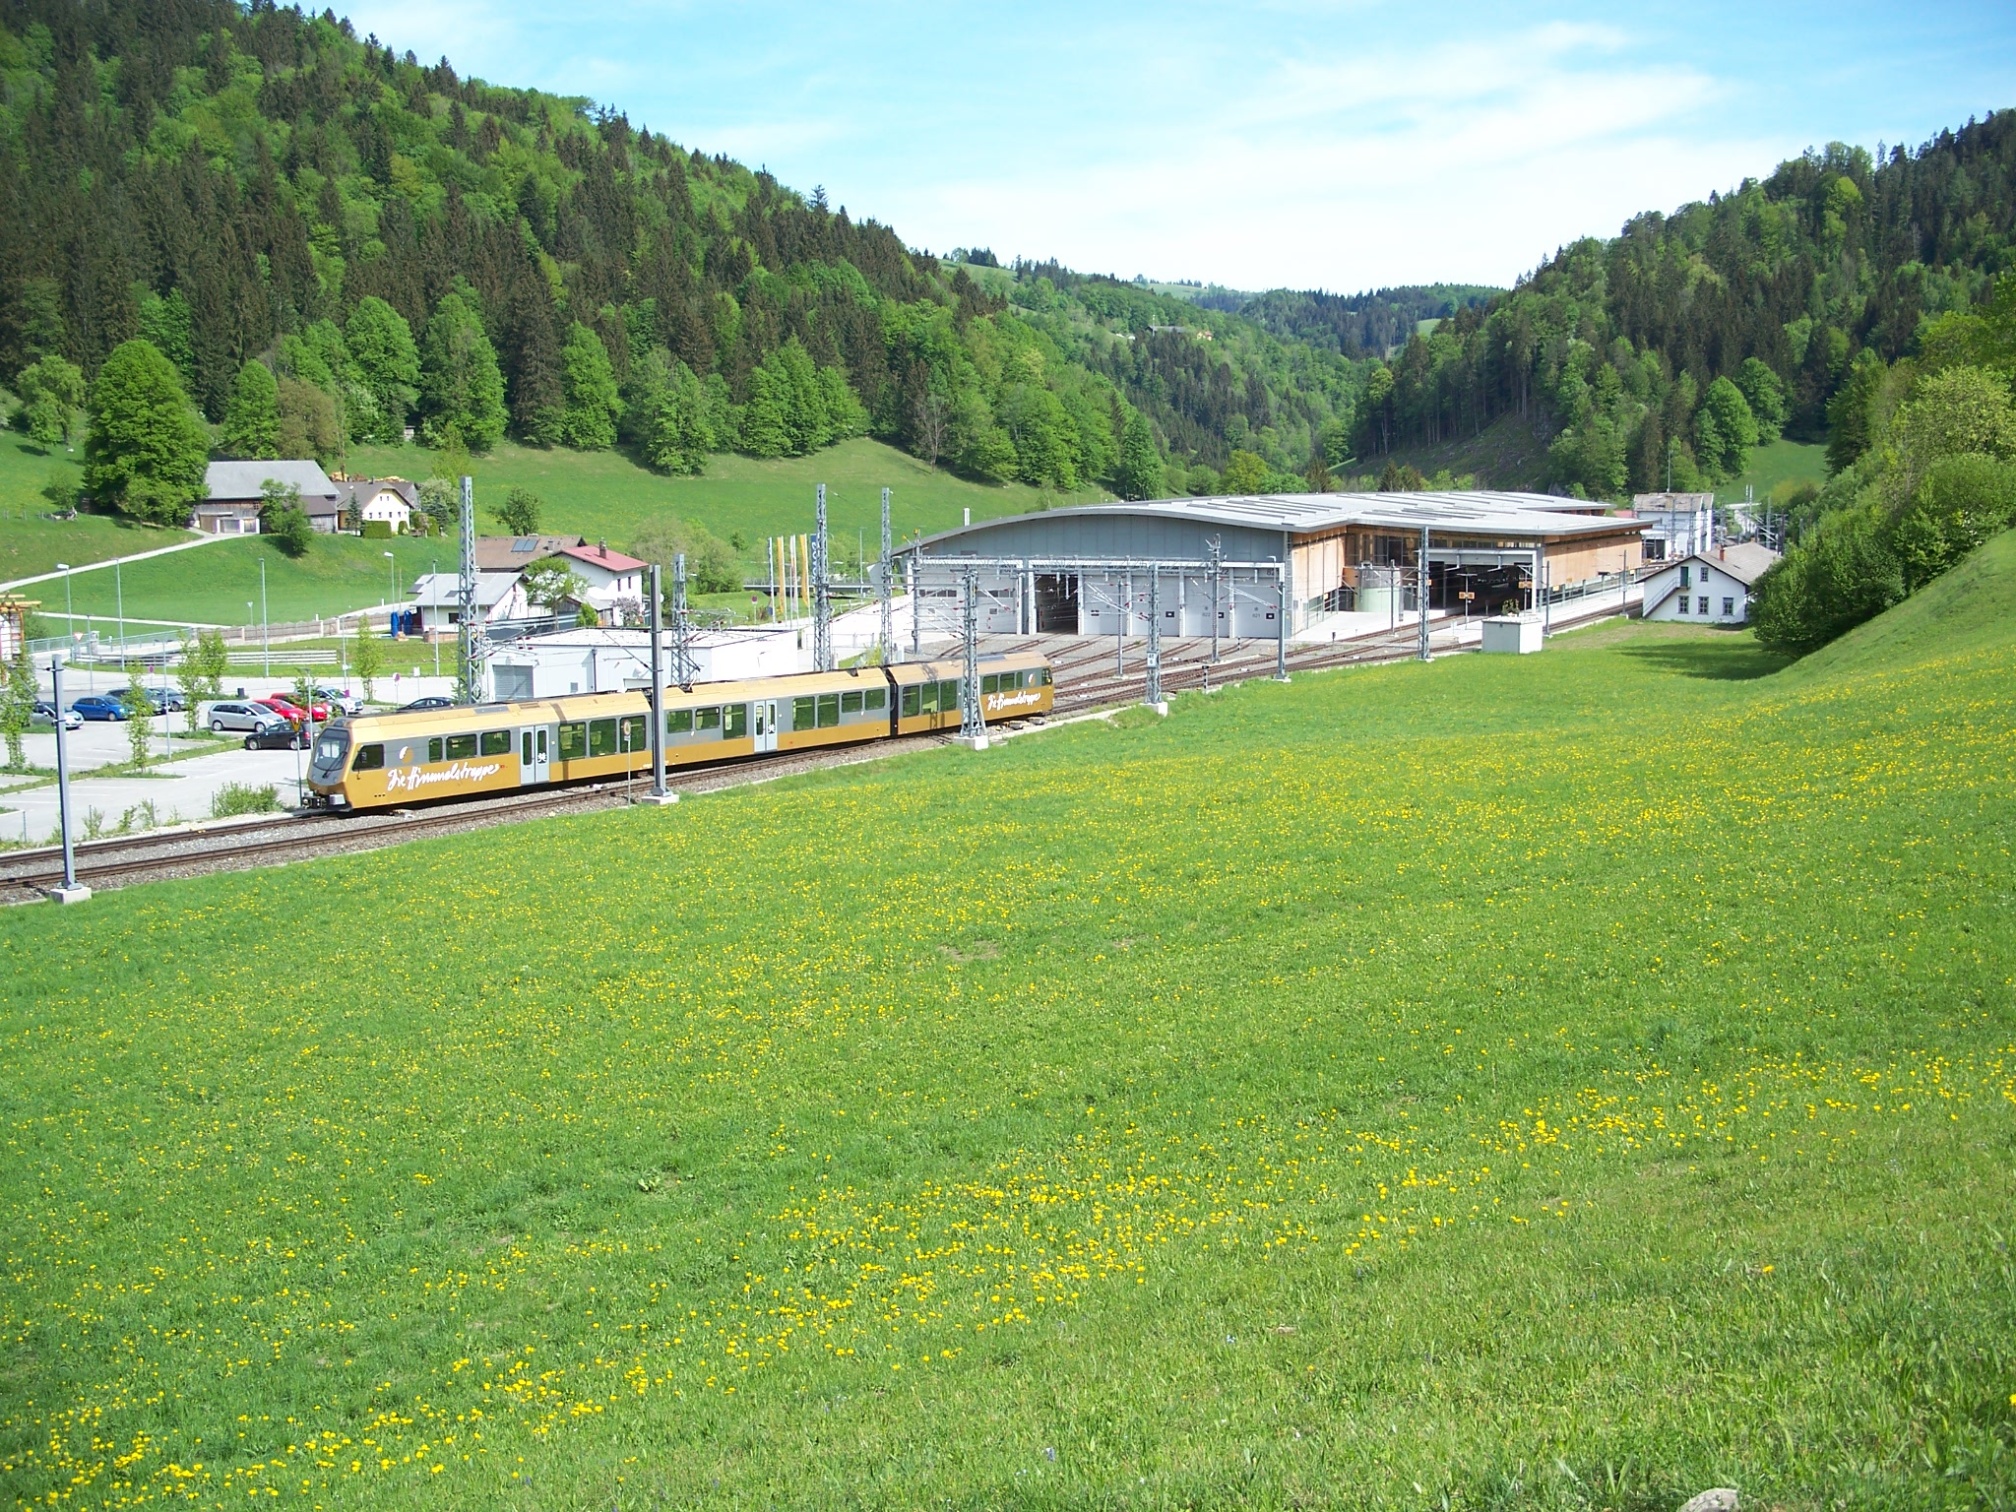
603 547
1722 552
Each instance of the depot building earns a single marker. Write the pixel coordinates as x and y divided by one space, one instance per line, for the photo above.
1269 565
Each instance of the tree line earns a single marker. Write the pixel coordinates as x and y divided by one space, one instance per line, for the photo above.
248 188
1625 352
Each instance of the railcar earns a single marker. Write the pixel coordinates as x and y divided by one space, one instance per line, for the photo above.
377 760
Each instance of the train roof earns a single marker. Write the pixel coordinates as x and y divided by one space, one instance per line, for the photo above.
490 716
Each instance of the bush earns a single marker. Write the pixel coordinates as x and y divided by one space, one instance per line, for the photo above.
1844 573
242 798
378 530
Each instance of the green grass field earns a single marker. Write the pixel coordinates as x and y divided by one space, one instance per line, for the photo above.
212 584
1558 1082
31 543
1780 462
605 495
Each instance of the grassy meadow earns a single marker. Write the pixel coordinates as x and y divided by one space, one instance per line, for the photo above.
1552 1082
607 496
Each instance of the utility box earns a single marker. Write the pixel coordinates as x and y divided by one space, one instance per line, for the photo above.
1517 636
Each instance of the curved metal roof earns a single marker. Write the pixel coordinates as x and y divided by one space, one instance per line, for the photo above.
1474 512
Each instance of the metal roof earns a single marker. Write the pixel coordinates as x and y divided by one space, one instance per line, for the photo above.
247 480
1466 513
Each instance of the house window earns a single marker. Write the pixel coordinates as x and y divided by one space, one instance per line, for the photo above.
1701 604
1683 603
1728 608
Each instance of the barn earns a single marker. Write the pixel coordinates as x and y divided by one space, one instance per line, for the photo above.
1262 566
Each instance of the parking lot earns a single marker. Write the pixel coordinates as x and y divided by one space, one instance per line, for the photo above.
180 786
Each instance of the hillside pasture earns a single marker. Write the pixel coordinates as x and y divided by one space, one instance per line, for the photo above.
1544 1082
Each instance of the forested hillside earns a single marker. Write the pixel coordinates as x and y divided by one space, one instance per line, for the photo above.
1691 336
326 242
400 245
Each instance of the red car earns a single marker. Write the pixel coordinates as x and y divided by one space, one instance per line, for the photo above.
284 706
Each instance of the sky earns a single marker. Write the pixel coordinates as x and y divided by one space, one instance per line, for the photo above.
1287 143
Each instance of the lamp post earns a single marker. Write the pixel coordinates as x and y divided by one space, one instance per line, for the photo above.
265 625
69 892
64 568
391 575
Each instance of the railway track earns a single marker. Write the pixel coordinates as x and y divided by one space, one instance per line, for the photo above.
1087 680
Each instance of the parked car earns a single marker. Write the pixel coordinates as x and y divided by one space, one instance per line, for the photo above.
278 737
421 705
99 706
342 703
45 714
281 703
164 700
240 714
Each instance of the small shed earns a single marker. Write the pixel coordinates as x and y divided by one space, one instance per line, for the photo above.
1513 635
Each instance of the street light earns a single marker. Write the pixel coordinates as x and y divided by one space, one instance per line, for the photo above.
265 625
391 575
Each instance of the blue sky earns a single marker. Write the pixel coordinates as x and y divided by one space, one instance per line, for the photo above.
1333 145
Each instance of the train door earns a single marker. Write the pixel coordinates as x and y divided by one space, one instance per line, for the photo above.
765 714
535 754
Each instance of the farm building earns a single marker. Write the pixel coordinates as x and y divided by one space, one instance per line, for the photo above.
1710 588
1288 560
368 501
235 492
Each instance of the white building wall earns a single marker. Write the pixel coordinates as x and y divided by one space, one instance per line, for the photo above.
1727 600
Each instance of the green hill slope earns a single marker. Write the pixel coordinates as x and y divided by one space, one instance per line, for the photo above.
1543 1082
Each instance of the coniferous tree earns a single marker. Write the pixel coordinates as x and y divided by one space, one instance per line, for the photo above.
461 389
252 418
146 451
1140 466
538 400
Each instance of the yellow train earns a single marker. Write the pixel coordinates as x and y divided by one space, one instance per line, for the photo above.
378 760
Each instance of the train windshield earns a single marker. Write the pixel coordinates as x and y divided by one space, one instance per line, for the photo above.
332 746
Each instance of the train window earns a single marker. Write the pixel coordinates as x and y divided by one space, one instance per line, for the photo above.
496 742
601 737
525 748
829 710
850 703
635 733
948 698
875 700
434 748
913 702
801 713
734 721
1044 673
461 747
706 719
370 758
678 721
573 741
990 683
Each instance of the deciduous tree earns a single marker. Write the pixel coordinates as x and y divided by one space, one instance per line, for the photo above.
146 450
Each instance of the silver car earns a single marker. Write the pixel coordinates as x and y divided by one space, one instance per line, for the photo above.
239 714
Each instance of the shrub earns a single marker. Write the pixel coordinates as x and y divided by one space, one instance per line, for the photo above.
378 530
243 798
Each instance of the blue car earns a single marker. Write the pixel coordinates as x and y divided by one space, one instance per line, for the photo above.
98 706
